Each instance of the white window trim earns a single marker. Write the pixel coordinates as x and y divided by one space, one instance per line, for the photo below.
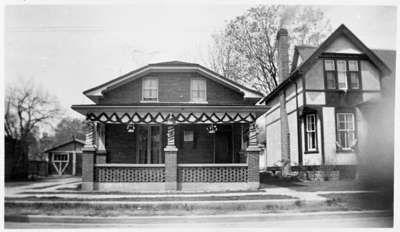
158 92
192 100
311 131
346 130
345 72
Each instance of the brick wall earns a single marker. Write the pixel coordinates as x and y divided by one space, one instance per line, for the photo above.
173 87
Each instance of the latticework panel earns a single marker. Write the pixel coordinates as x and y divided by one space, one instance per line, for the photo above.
130 174
212 174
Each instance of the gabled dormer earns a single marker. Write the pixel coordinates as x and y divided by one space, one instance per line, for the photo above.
342 70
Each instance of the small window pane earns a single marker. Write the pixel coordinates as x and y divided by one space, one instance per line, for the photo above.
354 80
198 90
353 65
150 89
330 80
341 65
329 65
346 130
342 80
311 132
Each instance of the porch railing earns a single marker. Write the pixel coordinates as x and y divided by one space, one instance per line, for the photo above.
217 173
129 173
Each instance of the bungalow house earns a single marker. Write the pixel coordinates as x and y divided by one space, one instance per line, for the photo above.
316 114
171 126
65 158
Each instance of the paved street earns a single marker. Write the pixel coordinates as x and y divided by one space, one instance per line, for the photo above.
323 220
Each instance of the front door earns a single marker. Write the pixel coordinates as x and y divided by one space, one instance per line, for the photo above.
223 146
148 144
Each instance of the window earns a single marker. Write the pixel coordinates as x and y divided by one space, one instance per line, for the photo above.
345 127
311 132
354 74
150 89
198 90
342 74
330 74
60 157
188 136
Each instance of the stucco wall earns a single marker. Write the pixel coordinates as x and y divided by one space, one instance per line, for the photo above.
294 155
314 77
315 98
343 45
331 155
370 76
273 132
329 134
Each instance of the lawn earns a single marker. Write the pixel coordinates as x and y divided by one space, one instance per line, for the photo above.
362 201
267 181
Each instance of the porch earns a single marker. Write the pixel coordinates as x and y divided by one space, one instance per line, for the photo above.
188 151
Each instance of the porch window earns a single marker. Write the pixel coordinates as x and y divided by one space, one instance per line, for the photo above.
150 89
330 74
198 90
345 126
311 133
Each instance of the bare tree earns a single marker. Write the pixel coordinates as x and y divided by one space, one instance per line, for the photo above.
26 108
245 50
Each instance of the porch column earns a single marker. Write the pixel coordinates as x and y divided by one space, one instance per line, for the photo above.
253 155
101 154
73 163
171 182
88 158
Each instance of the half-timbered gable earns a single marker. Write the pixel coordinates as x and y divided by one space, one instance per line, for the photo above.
324 91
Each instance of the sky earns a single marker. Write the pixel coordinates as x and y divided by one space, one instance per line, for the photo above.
67 49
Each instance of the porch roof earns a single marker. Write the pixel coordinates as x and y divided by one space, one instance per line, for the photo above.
178 113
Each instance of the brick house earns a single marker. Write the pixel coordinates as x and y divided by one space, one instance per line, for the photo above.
325 92
65 158
171 126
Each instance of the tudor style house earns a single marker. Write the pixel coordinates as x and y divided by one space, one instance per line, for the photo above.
321 120
171 126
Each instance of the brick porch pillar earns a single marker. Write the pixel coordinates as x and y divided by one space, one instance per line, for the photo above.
253 156
88 158
171 167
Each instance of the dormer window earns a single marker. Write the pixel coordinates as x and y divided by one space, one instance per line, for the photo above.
354 74
342 74
150 89
198 90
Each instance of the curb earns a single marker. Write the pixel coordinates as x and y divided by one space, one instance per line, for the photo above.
192 218
199 202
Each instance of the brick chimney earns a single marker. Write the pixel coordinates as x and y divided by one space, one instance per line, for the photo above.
282 39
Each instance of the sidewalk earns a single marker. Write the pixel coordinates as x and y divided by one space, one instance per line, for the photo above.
44 185
63 198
